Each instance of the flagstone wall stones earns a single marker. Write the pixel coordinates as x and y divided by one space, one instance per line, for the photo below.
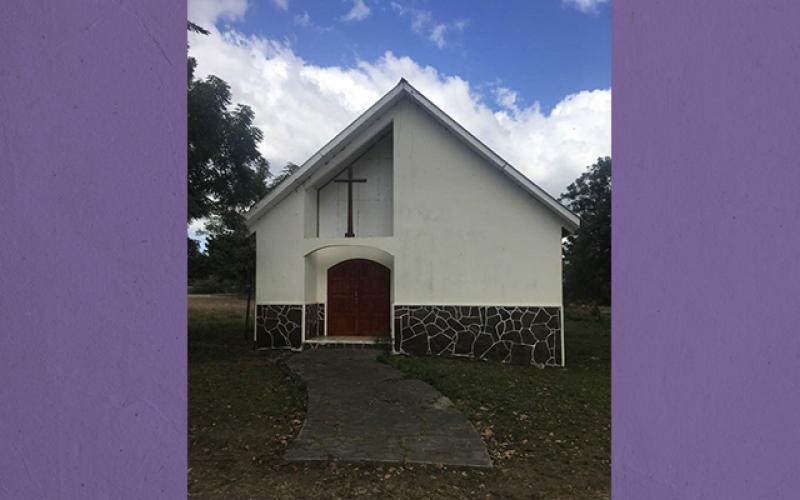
522 335
279 326
315 320
526 335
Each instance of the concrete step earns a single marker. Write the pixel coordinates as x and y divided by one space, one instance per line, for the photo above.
341 342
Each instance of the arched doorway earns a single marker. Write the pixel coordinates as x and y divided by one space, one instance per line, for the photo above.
358 299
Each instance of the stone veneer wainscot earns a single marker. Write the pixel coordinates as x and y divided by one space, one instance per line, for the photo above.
315 320
524 335
279 326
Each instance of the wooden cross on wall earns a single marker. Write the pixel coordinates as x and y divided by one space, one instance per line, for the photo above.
350 181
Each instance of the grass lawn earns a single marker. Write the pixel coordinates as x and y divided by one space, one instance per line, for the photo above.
548 430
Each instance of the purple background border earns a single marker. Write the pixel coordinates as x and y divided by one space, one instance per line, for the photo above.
93 251
705 333
92 302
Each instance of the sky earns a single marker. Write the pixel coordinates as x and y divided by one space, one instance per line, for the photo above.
531 79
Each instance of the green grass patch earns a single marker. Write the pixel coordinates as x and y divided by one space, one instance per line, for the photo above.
556 420
244 406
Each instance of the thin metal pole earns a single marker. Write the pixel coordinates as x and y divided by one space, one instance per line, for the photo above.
247 313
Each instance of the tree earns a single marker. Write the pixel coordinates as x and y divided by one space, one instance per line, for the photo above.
198 261
287 171
226 171
587 253
226 176
197 28
230 252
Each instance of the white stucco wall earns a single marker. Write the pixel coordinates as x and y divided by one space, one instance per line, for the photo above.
280 266
466 234
372 200
463 233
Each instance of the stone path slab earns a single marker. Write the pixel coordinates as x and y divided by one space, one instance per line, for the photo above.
362 410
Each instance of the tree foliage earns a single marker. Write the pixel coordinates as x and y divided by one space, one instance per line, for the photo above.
287 171
587 253
226 171
197 260
196 28
226 176
230 252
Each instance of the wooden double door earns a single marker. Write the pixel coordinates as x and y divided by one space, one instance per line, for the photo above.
358 299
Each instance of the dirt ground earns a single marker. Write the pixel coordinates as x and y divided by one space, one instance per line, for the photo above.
548 431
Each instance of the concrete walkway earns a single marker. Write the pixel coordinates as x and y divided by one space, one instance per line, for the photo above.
362 410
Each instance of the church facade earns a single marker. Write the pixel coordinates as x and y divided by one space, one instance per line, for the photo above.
405 229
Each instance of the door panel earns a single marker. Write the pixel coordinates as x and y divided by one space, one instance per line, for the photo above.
358 298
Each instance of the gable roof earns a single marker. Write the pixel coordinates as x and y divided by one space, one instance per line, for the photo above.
400 91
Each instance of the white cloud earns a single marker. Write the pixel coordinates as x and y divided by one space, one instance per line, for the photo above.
437 35
358 12
281 4
206 12
423 24
196 231
420 20
506 98
585 6
300 106
302 20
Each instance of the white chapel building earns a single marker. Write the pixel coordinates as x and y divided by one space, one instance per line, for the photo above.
405 229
